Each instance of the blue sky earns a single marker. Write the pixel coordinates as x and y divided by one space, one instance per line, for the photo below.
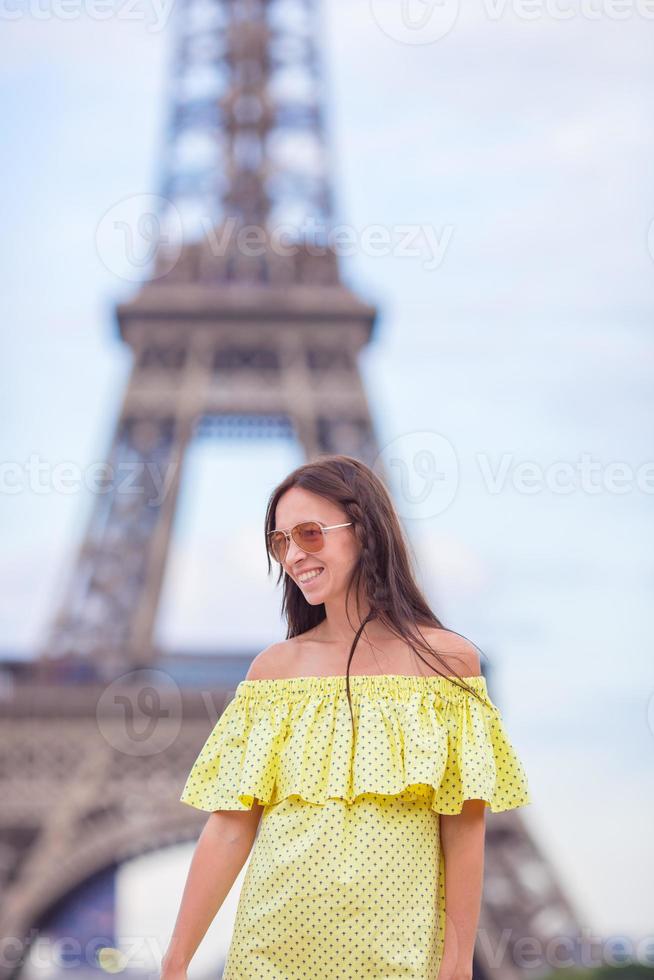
531 140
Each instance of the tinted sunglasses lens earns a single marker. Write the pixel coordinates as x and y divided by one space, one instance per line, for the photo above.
308 536
277 545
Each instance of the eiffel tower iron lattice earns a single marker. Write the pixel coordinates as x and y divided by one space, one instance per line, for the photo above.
240 330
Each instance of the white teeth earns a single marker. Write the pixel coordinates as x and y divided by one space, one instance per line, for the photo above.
309 576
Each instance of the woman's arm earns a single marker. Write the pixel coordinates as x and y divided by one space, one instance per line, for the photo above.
220 853
462 841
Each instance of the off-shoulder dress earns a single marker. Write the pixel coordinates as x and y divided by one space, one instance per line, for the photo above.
346 877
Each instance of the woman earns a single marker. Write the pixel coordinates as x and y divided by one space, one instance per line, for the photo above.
368 789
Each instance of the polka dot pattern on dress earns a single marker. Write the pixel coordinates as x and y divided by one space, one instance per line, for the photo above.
341 891
346 878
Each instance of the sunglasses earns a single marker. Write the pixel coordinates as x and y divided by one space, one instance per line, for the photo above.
308 535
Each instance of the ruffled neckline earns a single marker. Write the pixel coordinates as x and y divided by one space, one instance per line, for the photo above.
373 685
413 736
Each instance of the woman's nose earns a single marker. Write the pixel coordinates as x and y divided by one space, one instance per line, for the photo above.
292 552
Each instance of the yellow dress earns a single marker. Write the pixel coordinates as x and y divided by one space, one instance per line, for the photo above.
346 878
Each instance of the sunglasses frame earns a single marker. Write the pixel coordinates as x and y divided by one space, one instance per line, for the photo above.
287 532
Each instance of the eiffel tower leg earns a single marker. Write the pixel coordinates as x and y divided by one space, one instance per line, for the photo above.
326 396
108 616
352 436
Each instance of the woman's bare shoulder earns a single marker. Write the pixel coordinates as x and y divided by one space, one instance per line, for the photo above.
272 663
459 653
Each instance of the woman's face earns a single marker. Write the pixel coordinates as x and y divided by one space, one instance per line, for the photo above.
336 559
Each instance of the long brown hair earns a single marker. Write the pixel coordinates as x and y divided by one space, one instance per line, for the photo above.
383 566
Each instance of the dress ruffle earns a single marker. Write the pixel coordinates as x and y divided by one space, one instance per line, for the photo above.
415 737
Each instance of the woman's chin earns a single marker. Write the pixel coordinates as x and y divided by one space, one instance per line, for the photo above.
314 599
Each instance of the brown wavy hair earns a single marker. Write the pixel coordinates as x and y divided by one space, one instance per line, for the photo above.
383 565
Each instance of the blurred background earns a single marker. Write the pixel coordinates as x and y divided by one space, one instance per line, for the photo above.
483 337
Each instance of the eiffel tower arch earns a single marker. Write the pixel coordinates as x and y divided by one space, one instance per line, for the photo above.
233 333
211 358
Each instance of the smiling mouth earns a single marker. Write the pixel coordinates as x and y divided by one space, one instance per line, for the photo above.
314 575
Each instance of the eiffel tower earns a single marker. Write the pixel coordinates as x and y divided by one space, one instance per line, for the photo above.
242 331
